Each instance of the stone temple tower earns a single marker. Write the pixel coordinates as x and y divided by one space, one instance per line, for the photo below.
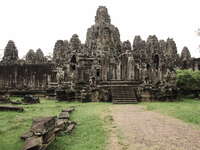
103 37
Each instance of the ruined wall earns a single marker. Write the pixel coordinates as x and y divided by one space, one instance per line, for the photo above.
24 76
29 74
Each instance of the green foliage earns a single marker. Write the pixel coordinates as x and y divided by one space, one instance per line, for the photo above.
89 133
188 80
187 110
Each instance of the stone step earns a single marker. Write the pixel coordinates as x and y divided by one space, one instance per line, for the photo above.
126 95
125 101
126 98
118 93
123 96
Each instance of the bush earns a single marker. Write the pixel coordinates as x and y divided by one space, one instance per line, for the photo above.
188 81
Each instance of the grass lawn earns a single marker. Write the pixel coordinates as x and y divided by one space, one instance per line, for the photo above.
187 110
90 132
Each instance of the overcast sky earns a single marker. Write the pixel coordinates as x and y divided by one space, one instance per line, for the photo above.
36 24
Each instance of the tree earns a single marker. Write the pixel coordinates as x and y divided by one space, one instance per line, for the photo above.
188 81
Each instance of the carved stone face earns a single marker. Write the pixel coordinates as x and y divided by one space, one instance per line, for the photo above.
106 33
102 15
102 12
126 45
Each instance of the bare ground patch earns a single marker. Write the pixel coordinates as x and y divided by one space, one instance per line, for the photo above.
134 128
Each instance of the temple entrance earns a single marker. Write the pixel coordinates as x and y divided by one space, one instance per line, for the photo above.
123 92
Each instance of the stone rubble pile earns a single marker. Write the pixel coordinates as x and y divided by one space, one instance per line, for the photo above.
30 99
4 99
11 108
44 130
27 99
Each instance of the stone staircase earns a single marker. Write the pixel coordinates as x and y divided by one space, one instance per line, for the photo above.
123 92
51 91
124 95
52 85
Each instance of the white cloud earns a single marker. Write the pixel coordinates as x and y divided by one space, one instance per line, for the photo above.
39 23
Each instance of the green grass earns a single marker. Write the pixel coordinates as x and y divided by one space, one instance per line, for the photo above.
187 110
89 133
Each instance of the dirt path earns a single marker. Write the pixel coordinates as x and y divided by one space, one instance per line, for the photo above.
135 128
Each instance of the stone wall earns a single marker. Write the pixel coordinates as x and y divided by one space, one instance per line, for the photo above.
32 73
24 76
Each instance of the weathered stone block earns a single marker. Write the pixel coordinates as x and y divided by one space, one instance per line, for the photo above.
30 99
41 126
11 108
63 115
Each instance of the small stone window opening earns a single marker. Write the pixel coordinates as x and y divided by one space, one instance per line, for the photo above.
98 73
156 61
73 59
73 63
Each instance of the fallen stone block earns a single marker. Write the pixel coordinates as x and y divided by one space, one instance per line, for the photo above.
48 137
57 130
69 110
63 115
16 102
26 135
42 125
72 122
11 108
70 128
45 129
61 123
4 99
30 99
33 143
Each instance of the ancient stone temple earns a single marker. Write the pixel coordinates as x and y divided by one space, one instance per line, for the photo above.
102 69
188 62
